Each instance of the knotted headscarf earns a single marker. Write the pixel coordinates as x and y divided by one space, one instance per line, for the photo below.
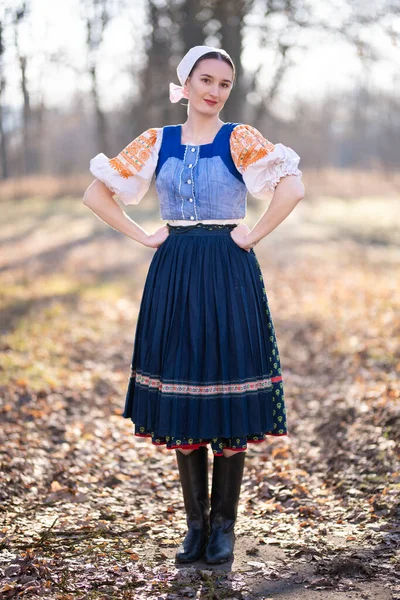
185 66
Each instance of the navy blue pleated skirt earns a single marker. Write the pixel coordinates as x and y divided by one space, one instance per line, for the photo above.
205 366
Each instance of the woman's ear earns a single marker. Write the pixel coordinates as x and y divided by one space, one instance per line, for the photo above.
186 90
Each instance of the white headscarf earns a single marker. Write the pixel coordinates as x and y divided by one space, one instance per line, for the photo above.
185 66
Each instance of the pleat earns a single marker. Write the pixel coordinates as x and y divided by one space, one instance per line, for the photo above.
205 362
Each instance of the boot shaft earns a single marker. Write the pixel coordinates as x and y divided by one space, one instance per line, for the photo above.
226 485
193 472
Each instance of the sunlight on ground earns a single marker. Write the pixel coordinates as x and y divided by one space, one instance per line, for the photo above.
65 276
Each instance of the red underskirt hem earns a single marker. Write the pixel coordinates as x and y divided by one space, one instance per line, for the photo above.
197 446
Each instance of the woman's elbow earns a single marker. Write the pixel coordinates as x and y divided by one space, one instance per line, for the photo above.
88 195
292 187
300 190
92 192
296 188
86 198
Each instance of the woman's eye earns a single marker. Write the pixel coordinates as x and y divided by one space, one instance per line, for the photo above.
225 85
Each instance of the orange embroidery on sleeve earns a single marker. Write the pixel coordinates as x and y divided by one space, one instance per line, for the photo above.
248 146
132 159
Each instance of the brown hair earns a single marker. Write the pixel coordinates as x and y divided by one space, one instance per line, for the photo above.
218 56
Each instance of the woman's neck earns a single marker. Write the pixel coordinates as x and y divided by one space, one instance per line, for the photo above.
200 129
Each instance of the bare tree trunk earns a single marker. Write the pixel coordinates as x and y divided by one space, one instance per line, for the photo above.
29 154
191 25
154 108
230 13
27 121
3 144
101 126
96 14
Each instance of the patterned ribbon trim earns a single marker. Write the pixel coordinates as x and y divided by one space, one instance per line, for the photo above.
204 390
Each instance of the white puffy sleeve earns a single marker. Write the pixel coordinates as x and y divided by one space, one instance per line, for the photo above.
128 175
261 163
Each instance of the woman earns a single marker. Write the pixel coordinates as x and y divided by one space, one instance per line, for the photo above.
205 365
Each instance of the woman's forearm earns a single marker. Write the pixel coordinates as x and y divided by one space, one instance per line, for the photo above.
288 192
99 199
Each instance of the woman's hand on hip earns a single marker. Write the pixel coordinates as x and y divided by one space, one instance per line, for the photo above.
154 240
239 236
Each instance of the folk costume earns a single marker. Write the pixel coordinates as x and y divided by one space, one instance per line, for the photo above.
205 367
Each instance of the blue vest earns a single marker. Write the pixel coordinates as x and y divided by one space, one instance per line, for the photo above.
199 182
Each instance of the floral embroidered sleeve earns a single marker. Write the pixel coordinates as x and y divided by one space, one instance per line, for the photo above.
128 175
261 163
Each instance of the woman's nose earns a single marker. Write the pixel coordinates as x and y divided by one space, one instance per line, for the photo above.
214 91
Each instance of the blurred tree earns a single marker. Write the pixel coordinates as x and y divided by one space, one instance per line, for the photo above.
19 14
3 142
192 16
271 35
230 14
13 17
280 26
96 16
176 26
161 43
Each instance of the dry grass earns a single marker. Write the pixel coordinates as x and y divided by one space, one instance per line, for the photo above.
351 183
340 183
44 186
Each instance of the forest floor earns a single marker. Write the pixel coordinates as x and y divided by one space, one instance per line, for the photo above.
90 511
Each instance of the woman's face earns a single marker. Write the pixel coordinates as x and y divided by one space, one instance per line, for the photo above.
209 86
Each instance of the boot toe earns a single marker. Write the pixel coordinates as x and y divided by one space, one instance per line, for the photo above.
192 547
220 547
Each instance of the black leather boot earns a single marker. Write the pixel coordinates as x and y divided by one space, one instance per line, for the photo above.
193 471
226 483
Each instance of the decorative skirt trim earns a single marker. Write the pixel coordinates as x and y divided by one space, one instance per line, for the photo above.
218 444
152 381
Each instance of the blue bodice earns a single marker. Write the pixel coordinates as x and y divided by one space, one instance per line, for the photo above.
199 182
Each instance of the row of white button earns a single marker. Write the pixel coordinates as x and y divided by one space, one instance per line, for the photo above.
190 181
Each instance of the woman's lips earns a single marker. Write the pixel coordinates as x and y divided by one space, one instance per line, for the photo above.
210 102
